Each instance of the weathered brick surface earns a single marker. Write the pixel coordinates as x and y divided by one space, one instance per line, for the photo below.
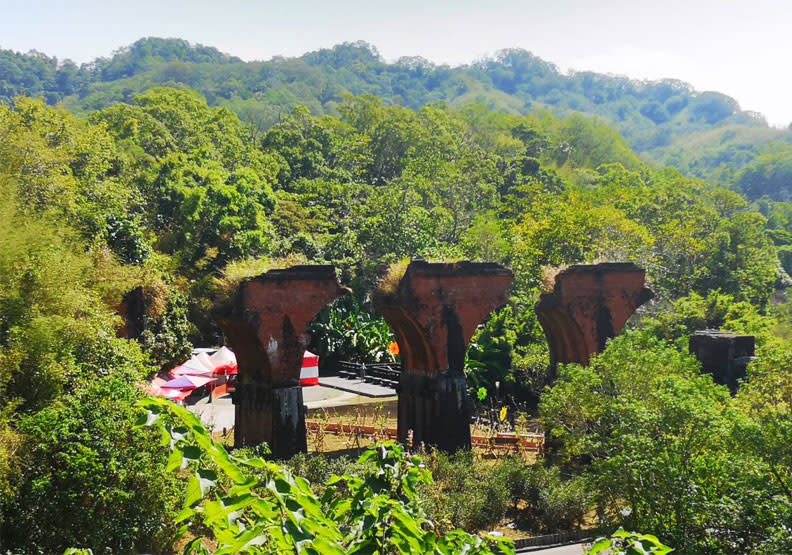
433 314
589 305
265 325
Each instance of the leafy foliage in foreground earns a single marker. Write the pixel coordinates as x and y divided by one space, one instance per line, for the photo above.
622 542
664 449
251 505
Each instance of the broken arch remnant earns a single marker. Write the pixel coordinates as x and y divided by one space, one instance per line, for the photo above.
265 325
724 355
433 313
590 304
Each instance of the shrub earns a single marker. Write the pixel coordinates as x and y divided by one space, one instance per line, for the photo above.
478 495
465 494
89 478
542 501
272 511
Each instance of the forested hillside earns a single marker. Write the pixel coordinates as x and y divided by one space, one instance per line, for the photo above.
167 191
704 134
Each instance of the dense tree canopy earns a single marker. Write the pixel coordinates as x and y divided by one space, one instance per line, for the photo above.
166 191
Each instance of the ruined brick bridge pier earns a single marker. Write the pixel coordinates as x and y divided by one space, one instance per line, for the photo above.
589 304
265 325
433 313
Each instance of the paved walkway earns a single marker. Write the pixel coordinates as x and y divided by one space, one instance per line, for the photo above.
358 387
574 549
218 414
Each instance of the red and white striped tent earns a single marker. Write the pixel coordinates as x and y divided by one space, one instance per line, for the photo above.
216 371
309 374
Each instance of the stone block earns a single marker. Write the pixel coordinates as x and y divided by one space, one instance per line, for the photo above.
724 355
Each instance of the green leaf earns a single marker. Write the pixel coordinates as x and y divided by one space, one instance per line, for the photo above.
175 460
191 453
325 547
183 515
165 438
246 487
146 419
194 492
408 525
194 547
206 480
600 546
249 538
621 533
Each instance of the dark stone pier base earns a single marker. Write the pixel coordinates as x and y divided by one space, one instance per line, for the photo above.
275 415
435 408
724 355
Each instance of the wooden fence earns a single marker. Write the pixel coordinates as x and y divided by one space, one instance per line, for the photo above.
500 441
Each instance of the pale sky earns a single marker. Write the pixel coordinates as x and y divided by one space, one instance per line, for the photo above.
739 48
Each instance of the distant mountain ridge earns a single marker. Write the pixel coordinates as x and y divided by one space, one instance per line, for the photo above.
702 133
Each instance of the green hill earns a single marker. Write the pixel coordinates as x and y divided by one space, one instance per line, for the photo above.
703 133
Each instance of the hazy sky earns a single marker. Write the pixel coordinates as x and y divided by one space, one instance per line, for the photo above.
740 48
